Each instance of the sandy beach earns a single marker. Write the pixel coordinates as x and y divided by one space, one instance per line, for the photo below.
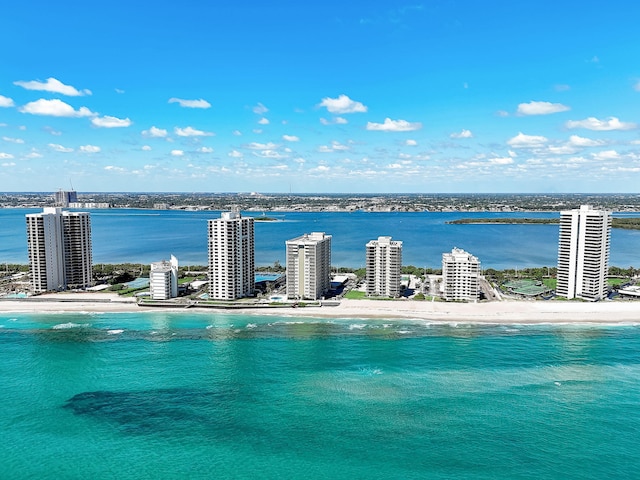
507 312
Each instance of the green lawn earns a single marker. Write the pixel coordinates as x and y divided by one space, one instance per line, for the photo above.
355 295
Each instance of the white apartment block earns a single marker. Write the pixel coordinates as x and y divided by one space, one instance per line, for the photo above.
163 279
231 257
583 253
60 251
384 267
308 266
460 272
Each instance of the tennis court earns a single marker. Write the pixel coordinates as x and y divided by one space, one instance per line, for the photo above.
526 287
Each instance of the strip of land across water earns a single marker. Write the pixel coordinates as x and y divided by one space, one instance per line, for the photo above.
624 223
505 312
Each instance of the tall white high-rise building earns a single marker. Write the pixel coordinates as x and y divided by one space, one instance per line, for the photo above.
60 252
163 279
583 253
384 267
231 256
309 266
460 272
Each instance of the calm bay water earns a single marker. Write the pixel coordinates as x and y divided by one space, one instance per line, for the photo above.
193 395
145 236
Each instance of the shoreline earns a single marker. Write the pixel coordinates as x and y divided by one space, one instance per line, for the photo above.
505 312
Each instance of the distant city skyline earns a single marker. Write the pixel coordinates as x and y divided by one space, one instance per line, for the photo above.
432 96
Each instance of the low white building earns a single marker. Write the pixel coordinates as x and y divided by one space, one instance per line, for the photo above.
460 272
163 279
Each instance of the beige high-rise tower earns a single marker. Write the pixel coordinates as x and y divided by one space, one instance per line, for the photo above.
384 267
60 250
308 266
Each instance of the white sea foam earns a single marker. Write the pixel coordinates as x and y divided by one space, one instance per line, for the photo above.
251 325
357 326
371 371
115 332
63 326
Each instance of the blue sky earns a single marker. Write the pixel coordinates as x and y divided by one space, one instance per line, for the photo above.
366 96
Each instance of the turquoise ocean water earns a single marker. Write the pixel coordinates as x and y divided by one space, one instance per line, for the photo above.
201 395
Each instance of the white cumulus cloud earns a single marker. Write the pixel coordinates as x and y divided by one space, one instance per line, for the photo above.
60 148
462 134
55 108
394 126
578 141
13 140
200 103
155 132
52 85
110 122
4 155
501 161
177 153
334 121
260 109
262 146
592 123
290 138
334 147
342 104
527 141
606 155
235 154
89 149
541 108
146 148
205 150
191 132
410 143
6 101
263 121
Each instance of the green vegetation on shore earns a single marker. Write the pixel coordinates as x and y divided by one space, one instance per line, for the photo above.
632 223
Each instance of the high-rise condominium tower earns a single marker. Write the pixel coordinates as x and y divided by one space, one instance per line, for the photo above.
384 265
60 254
583 253
309 266
460 271
231 256
163 279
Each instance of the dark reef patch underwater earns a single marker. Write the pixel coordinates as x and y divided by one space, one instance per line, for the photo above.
154 411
